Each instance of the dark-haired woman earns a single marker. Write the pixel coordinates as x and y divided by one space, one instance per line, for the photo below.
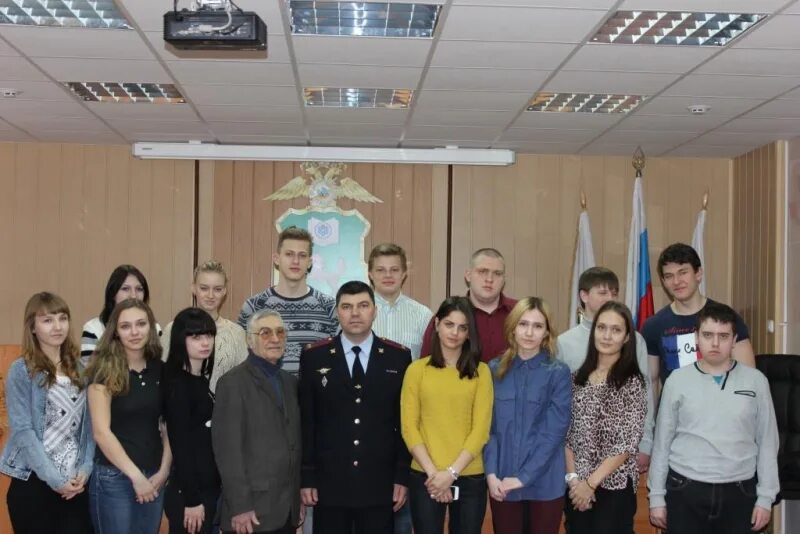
125 282
191 499
446 410
50 452
532 400
133 457
608 409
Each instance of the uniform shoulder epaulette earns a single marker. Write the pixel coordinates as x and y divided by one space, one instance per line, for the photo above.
319 343
394 344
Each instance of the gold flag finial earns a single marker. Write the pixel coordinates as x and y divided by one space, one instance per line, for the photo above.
583 200
705 199
638 160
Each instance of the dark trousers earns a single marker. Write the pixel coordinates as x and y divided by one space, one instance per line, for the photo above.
34 508
466 514
174 508
350 520
285 529
611 513
703 508
527 517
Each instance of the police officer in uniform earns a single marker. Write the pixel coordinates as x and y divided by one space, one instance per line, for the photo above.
354 462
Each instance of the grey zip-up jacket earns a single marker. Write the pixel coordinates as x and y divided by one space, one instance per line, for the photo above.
716 433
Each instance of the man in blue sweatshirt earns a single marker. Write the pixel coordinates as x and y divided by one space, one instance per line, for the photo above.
714 467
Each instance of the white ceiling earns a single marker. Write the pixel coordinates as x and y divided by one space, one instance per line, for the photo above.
472 82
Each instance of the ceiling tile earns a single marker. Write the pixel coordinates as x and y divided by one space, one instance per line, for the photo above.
584 4
77 42
15 136
104 70
609 57
463 118
263 140
439 143
166 126
683 123
577 121
38 90
207 95
485 79
340 50
777 109
473 133
5 48
755 62
706 151
500 55
792 95
157 112
18 68
38 123
390 142
540 147
619 136
721 6
380 131
678 105
255 113
491 23
763 125
629 83
291 129
732 86
547 135
169 137
775 32
753 139
13 108
232 72
356 115
471 100
359 76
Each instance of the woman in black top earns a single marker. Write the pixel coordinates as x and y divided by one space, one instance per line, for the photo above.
132 460
192 494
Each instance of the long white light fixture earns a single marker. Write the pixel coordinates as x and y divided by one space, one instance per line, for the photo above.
442 156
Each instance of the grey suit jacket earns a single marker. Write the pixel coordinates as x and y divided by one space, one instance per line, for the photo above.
257 447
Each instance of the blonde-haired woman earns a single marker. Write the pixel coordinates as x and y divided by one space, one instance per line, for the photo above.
209 289
126 404
524 458
50 451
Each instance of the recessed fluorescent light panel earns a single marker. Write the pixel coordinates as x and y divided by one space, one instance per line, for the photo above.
71 13
353 97
675 28
373 19
126 93
584 103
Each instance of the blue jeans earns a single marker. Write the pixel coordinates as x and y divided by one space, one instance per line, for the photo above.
113 506
402 520
466 514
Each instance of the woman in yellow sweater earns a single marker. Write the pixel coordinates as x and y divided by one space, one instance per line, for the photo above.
446 411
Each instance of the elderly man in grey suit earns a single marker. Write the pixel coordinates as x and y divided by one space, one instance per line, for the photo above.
256 435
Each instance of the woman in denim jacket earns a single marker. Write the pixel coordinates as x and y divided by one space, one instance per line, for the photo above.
50 452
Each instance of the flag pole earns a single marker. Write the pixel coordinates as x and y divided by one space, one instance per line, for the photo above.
705 200
583 200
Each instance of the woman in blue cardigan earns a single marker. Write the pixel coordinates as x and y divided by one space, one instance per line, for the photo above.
524 458
50 452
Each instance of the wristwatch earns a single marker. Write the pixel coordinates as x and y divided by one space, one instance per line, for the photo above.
569 477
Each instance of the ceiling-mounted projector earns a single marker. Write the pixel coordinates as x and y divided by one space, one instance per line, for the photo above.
214 29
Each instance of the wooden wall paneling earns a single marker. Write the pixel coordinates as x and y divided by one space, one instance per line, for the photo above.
402 214
118 180
25 226
461 226
73 224
263 224
96 268
618 178
184 232
420 247
162 235
222 220
8 157
205 211
140 220
242 232
440 228
48 214
657 190
772 222
570 185
548 199
385 189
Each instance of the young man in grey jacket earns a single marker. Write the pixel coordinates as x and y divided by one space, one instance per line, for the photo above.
714 467
596 286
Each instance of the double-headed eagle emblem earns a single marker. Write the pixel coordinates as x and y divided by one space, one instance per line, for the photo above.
325 186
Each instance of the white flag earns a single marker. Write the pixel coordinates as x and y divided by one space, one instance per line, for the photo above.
638 285
584 258
697 244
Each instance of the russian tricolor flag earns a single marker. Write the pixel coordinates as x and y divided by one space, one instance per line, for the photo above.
639 287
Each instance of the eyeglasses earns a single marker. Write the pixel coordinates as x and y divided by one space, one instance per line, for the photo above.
267 333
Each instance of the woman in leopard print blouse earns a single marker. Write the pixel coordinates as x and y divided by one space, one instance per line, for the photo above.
608 409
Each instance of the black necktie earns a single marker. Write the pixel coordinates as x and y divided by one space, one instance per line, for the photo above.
358 369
